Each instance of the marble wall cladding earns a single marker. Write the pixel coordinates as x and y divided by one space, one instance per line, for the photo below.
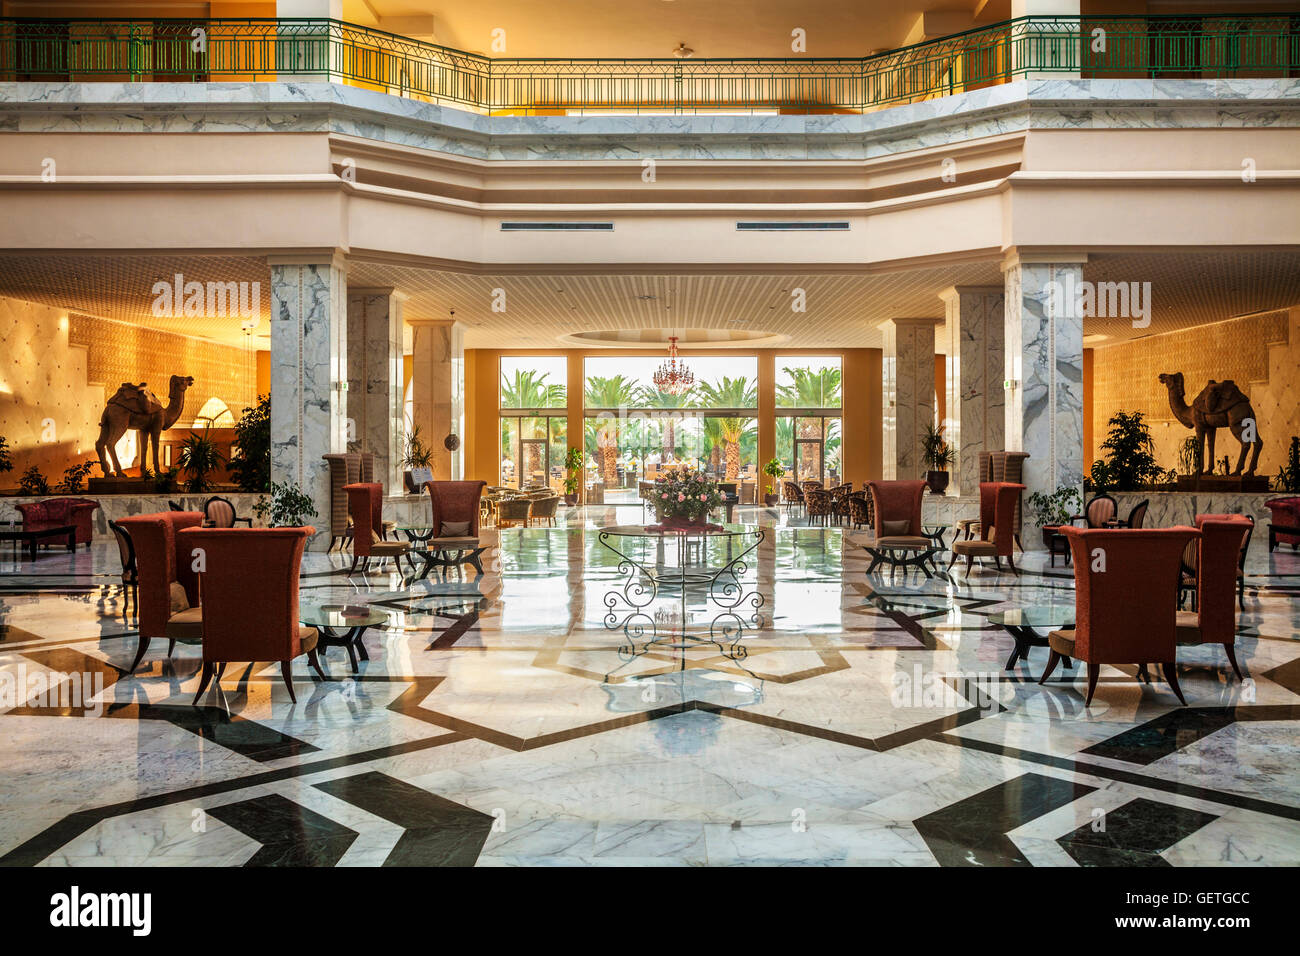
1044 361
1169 508
374 406
1054 102
437 389
908 392
975 420
308 371
113 507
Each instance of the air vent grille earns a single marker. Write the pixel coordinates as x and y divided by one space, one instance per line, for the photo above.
557 227
794 226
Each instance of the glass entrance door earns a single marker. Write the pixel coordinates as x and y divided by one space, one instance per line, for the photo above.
808 460
535 454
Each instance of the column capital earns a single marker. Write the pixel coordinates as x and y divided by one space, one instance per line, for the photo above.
956 291
322 257
387 290
922 320
435 323
1036 257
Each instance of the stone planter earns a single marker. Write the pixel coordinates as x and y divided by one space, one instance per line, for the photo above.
938 481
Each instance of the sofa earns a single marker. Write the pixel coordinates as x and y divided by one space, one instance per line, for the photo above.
1286 514
57 512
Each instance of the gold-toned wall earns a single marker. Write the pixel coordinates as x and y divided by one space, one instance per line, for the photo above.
48 414
1260 353
118 352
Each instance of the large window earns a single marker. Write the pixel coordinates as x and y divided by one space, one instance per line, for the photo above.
634 430
533 436
808 420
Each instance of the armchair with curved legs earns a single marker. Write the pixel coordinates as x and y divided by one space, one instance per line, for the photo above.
998 500
161 561
1215 619
1120 575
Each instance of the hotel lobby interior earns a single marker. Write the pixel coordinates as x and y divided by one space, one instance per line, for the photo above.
653 434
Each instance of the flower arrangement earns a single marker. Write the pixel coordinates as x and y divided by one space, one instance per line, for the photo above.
685 495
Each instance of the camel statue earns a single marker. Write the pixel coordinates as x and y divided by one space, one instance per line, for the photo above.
1219 405
134 406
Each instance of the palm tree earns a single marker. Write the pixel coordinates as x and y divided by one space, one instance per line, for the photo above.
529 389
613 392
653 398
731 393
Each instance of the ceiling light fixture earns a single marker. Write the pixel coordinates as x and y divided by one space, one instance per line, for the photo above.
673 377
683 51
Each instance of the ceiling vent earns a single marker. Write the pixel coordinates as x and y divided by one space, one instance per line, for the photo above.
840 225
557 227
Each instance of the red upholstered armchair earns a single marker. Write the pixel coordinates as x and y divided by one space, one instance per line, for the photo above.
998 500
366 508
1124 605
161 561
898 507
1215 619
1286 514
455 503
58 512
250 596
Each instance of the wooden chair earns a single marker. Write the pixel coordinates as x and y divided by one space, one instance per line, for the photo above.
792 495
221 512
1099 512
821 505
163 561
1214 621
860 511
366 507
1191 560
250 591
543 509
1138 516
1120 575
997 527
130 575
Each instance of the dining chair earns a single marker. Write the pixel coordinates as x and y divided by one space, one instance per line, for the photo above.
130 574
1120 575
366 507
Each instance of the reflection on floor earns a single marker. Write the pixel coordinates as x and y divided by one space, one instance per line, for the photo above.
500 721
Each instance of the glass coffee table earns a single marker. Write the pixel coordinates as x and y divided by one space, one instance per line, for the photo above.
339 629
1031 625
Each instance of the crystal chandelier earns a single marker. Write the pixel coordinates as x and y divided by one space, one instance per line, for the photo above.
673 377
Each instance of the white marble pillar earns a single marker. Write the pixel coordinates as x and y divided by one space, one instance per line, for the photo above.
375 380
303 47
1041 48
976 420
1044 376
908 394
308 377
438 389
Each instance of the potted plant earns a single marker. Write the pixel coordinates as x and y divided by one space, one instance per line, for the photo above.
6 463
1131 462
1051 511
251 462
33 482
684 497
416 456
573 475
774 470
1288 476
199 457
74 477
287 507
937 455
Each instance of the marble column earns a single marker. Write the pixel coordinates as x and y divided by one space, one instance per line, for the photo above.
375 380
438 390
975 421
308 377
1044 376
907 377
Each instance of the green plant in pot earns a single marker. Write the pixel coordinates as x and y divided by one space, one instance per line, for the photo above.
573 460
1288 476
1189 457
1050 511
937 455
74 478
417 461
286 507
6 463
776 471
1131 462
199 458
251 463
33 482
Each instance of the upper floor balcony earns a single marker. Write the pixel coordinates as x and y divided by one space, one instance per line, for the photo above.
149 50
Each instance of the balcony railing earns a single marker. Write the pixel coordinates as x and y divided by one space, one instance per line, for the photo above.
1261 45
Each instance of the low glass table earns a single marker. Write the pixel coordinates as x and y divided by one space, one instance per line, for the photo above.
1031 625
442 553
337 629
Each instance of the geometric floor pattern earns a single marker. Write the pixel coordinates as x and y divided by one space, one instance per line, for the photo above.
500 722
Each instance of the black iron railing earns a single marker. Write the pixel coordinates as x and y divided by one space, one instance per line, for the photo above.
1262 45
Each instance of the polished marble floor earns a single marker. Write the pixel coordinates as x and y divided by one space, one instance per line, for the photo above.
500 721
